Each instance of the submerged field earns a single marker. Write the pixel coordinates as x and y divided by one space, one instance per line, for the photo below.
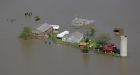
18 57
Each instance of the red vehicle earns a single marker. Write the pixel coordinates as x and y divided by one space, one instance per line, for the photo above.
109 49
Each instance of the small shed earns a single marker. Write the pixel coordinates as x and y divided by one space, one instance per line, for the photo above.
62 34
55 27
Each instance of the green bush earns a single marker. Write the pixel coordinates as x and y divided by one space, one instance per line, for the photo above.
26 33
87 40
92 43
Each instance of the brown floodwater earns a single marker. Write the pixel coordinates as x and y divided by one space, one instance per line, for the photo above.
34 57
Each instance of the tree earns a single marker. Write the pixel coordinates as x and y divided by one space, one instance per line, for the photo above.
103 39
87 40
26 33
92 31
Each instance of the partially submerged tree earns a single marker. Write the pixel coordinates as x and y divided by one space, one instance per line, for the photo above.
103 39
26 33
92 31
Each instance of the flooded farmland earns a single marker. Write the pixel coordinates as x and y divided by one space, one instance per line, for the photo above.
33 57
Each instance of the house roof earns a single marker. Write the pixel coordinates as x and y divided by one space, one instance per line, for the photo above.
77 34
74 35
82 20
79 20
36 31
44 27
67 35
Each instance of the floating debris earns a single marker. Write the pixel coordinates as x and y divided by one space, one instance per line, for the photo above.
37 18
28 14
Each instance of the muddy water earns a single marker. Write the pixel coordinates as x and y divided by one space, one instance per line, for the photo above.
33 57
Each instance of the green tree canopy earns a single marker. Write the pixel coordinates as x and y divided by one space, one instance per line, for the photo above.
103 39
92 31
26 33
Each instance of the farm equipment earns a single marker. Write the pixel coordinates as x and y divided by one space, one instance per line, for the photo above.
110 48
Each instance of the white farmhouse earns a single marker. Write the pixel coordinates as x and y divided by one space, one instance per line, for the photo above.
81 22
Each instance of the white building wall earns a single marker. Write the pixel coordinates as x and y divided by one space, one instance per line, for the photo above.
123 46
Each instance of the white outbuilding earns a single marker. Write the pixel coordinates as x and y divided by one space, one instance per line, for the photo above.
55 27
62 34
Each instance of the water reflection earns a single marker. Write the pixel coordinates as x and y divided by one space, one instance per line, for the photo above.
86 58
123 66
11 20
26 45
